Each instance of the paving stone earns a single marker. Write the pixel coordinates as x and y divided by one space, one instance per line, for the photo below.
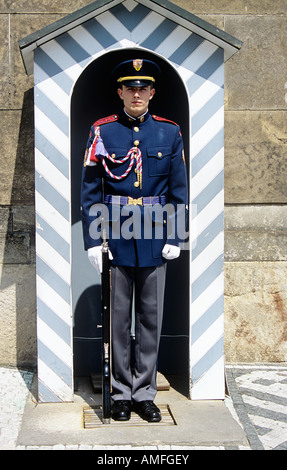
258 400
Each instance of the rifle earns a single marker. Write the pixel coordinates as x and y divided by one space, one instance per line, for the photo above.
106 334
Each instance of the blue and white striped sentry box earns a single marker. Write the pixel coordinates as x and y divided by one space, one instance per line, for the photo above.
58 55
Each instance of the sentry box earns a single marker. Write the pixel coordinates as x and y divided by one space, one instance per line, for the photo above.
70 60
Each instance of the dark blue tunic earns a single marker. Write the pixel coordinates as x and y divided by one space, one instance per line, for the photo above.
138 240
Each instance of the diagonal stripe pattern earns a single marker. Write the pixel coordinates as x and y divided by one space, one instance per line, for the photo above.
57 65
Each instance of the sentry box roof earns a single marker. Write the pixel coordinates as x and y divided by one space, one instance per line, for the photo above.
228 43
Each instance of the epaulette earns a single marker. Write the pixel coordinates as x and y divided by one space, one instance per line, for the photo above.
106 120
157 118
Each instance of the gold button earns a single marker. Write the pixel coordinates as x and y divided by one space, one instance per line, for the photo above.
136 142
136 129
159 154
113 155
136 184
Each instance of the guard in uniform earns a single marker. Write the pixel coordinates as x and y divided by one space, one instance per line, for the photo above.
135 171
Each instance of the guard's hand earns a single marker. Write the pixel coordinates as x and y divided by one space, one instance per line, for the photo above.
95 257
170 251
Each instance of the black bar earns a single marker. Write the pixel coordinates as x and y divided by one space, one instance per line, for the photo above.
106 336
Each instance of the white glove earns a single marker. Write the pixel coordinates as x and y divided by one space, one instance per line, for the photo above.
95 257
170 251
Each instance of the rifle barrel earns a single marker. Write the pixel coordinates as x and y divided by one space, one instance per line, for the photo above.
106 337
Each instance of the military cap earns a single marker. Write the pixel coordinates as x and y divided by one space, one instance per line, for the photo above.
136 73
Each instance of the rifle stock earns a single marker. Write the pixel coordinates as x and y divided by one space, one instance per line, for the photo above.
106 336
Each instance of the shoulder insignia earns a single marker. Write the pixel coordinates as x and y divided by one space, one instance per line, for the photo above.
157 118
106 120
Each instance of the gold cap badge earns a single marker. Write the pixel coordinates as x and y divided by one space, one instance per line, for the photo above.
137 64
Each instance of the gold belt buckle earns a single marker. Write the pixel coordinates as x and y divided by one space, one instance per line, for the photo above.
135 202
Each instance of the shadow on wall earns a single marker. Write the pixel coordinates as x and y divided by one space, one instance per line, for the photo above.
17 282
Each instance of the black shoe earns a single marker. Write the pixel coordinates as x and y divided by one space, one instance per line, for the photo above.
121 410
148 410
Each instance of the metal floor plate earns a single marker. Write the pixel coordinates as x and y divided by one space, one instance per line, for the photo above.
93 418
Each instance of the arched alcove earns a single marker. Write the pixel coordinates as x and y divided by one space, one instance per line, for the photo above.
94 96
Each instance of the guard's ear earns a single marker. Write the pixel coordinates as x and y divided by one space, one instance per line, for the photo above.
152 92
120 93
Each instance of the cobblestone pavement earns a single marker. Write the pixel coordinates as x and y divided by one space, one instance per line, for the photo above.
259 396
14 389
258 401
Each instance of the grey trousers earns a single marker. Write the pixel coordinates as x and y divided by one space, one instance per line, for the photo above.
148 285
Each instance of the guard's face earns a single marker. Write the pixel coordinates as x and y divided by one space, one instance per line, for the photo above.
136 99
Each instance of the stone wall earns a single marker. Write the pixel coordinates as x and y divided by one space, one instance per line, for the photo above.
255 186
255 177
